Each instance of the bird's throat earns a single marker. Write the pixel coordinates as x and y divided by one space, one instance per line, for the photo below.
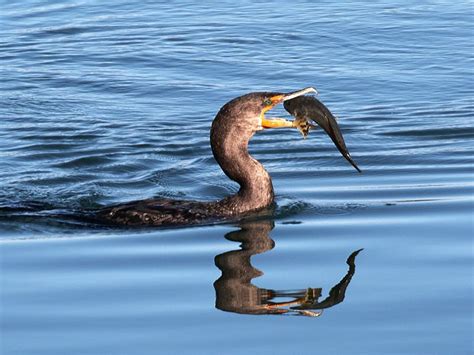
256 189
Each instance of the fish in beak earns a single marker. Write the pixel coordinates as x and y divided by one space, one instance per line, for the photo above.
308 108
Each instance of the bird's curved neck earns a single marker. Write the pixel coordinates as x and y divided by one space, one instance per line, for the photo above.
256 189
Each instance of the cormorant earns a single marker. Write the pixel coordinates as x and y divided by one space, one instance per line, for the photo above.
232 128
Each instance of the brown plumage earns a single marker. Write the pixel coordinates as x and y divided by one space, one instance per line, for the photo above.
232 128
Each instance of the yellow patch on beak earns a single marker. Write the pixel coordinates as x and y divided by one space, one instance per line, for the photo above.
273 101
274 122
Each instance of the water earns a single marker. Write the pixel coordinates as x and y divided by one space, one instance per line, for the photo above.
103 103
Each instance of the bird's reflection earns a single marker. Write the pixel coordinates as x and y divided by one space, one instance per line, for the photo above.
236 293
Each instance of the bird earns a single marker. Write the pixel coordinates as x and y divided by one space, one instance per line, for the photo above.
231 130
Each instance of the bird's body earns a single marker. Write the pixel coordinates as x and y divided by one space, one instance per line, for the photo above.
162 212
233 127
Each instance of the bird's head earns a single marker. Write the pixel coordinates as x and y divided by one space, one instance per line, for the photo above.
240 118
246 114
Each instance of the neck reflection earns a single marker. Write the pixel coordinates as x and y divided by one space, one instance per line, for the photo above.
236 293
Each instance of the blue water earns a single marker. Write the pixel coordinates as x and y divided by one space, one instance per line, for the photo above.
107 102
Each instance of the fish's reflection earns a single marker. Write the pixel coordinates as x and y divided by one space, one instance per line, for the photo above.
236 293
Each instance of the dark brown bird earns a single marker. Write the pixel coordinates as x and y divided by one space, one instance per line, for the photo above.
232 128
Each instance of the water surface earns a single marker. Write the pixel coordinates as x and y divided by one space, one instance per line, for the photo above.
106 103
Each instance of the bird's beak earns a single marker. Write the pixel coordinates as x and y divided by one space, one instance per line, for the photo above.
278 99
301 92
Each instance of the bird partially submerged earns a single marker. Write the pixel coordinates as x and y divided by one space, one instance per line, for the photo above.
234 125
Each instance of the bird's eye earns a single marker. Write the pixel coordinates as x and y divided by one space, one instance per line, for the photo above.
267 102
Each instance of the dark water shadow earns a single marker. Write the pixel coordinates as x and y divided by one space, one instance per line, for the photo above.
236 293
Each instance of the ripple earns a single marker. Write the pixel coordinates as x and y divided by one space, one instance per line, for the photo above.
104 103
119 104
84 162
438 133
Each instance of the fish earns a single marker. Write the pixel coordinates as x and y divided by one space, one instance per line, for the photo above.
306 109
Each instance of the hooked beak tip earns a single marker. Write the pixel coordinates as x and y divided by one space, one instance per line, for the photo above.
301 92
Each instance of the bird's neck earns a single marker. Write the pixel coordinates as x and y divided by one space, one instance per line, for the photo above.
256 189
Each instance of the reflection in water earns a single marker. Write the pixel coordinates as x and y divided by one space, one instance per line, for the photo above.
236 293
